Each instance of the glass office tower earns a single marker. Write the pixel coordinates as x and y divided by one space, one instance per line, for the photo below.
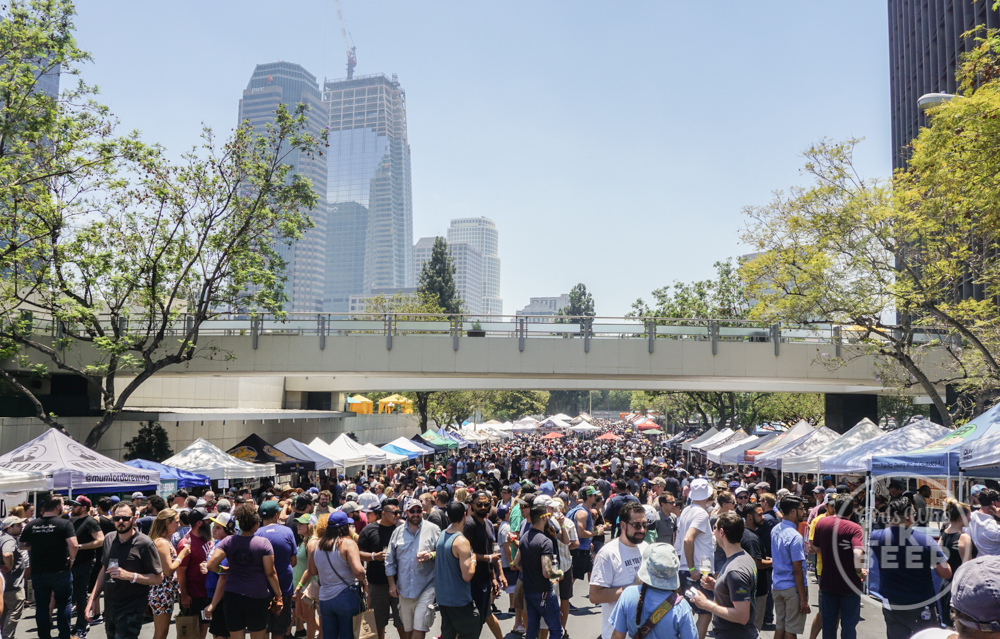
370 245
481 234
290 84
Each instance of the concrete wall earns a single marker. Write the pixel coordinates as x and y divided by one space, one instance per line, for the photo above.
208 392
376 429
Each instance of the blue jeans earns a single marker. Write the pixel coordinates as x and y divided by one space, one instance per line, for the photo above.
533 603
46 584
845 607
338 613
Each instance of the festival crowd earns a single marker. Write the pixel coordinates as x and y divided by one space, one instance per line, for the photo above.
668 547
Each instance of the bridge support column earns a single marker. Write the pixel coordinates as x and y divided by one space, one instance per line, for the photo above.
844 411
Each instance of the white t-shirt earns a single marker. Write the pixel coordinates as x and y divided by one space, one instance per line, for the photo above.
616 565
696 517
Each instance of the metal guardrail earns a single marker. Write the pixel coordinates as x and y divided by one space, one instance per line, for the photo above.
524 328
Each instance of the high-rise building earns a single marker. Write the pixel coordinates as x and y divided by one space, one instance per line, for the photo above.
543 310
368 189
925 45
468 270
481 234
289 84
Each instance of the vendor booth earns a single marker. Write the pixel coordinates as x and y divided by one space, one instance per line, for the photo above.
184 478
814 441
360 404
255 450
295 448
395 404
858 460
810 463
204 457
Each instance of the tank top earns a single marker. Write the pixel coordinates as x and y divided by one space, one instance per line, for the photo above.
331 585
571 515
950 541
451 589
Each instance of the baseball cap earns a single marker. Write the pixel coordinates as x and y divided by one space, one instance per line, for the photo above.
741 491
975 593
314 490
138 495
976 489
269 509
542 500
339 518
11 521
225 520
700 489
659 567
413 503
349 507
196 514
819 489
304 519
115 499
830 497
659 481
80 501
201 502
734 484
763 486
831 491
587 491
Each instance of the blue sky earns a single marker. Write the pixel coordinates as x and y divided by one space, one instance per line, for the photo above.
614 144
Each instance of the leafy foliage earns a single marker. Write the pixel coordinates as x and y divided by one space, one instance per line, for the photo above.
437 279
152 442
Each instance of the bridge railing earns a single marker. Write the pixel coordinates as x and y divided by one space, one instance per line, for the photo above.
522 327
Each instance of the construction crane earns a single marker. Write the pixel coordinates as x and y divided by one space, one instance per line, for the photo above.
352 59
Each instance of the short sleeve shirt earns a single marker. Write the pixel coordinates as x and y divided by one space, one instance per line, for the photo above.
283 543
535 545
374 538
694 517
737 582
905 560
47 537
615 565
677 624
787 547
246 565
836 539
139 555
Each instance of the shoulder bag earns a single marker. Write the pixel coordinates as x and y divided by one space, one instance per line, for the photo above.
658 614
364 621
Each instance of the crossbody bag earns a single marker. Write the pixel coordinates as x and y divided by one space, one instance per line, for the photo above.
658 614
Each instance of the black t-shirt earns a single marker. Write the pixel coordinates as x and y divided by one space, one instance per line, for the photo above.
374 538
86 531
47 537
439 518
482 543
107 527
673 486
534 545
143 524
138 555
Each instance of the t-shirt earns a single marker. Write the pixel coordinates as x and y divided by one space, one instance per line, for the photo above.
694 517
14 578
195 582
137 554
787 547
836 539
565 556
615 565
47 537
246 565
375 538
664 526
283 543
144 524
482 543
679 623
905 560
613 507
534 545
86 531
673 486
503 532
439 518
737 582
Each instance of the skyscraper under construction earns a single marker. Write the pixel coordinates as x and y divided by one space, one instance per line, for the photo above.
370 215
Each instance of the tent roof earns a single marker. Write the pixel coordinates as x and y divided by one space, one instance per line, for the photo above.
16 481
708 434
255 450
715 455
412 446
714 439
798 431
737 454
73 466
390 457
970 446
862 431
204 457
735 436
184 478
435 448
859 458
355 454
396 450
395 399
296 448
816 440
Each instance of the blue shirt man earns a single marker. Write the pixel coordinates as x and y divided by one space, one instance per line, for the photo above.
282 540
787 547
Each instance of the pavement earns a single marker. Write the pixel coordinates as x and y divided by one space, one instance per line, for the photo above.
584 623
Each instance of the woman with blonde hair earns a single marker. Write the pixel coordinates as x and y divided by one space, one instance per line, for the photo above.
306 605
163 596
958 546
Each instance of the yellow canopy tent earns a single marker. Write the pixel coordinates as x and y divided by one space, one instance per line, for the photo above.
400 403
361 405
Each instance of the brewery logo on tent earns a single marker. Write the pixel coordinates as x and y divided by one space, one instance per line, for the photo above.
246 453
81 452
31 453
278 455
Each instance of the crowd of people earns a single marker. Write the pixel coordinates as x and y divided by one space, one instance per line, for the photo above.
667 548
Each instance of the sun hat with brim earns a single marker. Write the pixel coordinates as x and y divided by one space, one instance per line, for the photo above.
700 489
659 567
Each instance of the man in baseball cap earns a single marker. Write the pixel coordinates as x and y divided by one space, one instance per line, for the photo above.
975 598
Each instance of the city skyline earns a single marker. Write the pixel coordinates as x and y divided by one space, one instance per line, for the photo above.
509 137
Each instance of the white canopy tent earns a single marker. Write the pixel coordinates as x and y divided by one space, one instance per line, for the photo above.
585 428
798 431
355 454
19 481
390 458
859 458
723 434
73 467
296 448
715 455
408 444
205 458
526 421
810 462
812 442
708 434
563 417
735 436
737 454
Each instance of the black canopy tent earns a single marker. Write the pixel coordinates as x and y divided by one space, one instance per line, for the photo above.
255 449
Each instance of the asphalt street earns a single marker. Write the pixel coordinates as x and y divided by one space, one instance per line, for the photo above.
584 623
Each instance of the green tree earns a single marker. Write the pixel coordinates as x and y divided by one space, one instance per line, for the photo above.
511 405
120 254
151 443
437 279
581 303
900 408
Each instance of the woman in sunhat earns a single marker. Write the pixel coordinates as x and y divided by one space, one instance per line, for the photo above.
658 574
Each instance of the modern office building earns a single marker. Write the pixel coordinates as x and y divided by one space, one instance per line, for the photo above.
468 270
368 189
359 303
287 83
542 310
481 234
925 45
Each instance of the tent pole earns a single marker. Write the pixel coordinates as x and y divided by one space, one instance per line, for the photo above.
961 486
869 517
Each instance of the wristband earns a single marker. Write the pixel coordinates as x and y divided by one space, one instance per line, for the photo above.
134 576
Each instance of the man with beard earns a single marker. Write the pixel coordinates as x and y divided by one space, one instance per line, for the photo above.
131 566
489 579
52 547
409 568
617 563
190 578
90 537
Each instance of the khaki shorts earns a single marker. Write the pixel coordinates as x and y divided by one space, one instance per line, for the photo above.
416 614
786 611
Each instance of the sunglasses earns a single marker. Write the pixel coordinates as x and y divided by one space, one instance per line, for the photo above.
414 511
641 524
394 513
121 518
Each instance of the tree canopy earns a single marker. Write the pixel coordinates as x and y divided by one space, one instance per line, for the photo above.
437 279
